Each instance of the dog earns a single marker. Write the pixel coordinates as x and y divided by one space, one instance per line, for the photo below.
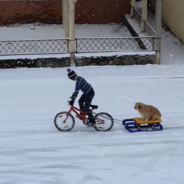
148 112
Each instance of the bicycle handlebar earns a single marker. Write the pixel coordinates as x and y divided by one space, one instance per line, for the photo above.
69 99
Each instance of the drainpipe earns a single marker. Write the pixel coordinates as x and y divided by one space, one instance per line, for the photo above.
144 14
158 20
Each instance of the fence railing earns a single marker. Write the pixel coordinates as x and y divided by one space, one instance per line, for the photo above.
148 29
83 45
25 47
137 16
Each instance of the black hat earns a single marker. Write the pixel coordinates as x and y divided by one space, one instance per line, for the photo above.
71 74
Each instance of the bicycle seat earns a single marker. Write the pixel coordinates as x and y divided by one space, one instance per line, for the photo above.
94 106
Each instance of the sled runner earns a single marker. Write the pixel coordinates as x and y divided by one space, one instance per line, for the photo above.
139 125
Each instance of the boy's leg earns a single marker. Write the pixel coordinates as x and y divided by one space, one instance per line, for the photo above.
81 102
88 100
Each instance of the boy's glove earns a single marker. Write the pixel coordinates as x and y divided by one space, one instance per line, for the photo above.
71 102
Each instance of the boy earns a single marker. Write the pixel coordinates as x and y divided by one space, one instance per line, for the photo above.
87 96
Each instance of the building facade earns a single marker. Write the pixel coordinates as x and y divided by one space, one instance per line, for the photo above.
172 16
50 11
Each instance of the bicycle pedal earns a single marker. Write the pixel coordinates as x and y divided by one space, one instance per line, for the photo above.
90 125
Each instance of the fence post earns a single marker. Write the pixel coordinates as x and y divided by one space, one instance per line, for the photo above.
158 19
132 8
144 14
72 42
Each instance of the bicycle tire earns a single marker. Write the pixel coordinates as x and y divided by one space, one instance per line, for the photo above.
72 121
108 117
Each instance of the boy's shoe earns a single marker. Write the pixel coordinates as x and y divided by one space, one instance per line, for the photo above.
92 121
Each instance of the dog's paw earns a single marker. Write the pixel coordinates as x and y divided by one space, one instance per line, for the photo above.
145 119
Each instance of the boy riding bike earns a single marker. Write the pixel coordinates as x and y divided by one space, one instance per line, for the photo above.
87 96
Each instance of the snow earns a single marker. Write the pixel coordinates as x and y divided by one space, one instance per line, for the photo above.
172 51
33 151
114 54
50 32
76 55
54 31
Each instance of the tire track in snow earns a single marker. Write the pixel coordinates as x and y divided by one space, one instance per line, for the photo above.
113 144
179 97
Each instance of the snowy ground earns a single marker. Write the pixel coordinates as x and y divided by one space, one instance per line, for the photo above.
33 151
23 49
41 32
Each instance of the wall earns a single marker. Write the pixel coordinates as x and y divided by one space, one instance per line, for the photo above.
28 12
84 61
87 11
173 16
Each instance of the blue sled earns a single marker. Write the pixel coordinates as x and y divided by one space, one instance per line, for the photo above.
132 126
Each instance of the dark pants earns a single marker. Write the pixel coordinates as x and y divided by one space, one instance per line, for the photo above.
85 102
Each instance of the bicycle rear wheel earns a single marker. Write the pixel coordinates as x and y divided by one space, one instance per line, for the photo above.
104 122
61 125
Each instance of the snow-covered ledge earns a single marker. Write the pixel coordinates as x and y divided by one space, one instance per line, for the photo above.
63 60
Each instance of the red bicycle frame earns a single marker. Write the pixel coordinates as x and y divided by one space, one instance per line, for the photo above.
76 111
81 116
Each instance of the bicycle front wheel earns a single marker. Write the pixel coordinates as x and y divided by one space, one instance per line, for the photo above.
104 122
64 122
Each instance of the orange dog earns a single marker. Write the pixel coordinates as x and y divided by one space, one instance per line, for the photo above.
147 112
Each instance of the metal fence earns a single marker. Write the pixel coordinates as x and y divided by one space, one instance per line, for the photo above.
148 29
25 47
84 45
137 16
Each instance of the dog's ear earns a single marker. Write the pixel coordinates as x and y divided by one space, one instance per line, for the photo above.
139 106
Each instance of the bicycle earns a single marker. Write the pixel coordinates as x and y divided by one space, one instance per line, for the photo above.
65 121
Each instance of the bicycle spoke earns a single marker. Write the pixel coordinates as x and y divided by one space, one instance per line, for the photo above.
64 121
